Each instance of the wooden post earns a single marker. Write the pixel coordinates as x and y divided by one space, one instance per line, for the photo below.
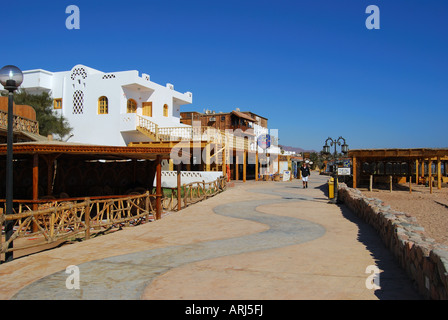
390 183
147 206
439 173
371 183
422 168
410 183
430 175
158 187
430 184
179 173
256 165
35 186
416 172
207 157
355 175
87 218
244 165
237 167
224 161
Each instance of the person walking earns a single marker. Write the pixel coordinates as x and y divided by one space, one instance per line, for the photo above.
305 169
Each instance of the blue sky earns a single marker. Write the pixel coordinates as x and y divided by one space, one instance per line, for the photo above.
311 67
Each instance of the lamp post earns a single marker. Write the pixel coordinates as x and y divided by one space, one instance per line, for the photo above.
326 150
11 78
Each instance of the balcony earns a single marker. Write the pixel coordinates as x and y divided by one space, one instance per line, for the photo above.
152 130
19 123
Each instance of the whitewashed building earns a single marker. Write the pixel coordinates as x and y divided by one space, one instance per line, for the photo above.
111 109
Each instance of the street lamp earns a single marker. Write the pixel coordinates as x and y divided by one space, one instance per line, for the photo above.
326 150
11 78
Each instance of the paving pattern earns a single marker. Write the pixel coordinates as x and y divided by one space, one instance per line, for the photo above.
134 275
126 276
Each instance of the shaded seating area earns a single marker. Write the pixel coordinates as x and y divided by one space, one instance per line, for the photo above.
55 169
424 166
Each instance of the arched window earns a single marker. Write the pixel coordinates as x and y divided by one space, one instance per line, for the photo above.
103 105
132 106
165 110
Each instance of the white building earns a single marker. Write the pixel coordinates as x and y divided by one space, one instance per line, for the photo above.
109 108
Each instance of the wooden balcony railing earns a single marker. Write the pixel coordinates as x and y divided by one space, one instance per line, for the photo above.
19 123
194 134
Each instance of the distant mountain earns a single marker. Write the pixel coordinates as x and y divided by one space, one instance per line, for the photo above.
296 149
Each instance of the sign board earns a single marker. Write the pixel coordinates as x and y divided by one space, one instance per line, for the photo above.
343 171
306 155
286 175
346 163
264 141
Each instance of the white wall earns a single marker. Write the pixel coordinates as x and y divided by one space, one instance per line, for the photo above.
105 129
169 178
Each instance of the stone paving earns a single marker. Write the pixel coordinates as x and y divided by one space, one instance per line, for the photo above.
257 240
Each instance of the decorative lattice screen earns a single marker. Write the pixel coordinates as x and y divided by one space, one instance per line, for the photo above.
78 102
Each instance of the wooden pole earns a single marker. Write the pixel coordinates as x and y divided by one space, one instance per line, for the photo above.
207 157
87 218
256 165
390 183
439 173
35 186
244 165
179 206
430 175
371 183
147 206
422 168
416 172
158 187
237 174
355 175
410 183
224 161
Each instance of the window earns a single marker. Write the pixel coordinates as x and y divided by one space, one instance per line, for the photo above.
132 106
57 104
165 110
103 105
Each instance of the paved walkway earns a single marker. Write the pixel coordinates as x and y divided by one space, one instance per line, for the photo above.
257 240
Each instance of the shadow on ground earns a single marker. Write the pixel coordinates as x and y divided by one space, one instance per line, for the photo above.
394 283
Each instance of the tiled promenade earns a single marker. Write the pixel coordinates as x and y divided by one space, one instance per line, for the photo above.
257 240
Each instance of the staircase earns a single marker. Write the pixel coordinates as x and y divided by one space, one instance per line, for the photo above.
156 133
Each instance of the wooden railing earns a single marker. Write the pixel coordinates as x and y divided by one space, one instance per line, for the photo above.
19 123
53 221
56 221
192 193
193 133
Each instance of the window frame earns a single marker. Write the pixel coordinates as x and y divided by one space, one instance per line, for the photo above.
57 104
135 106
103 105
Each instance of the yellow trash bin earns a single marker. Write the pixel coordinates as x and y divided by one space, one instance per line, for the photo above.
331 188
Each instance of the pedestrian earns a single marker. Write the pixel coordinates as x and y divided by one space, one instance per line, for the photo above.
305 169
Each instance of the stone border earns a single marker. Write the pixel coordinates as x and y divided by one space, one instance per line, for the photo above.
424 260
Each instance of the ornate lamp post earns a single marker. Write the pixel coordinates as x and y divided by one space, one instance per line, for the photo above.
11 78
326 150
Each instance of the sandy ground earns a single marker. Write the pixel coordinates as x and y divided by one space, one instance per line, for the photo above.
430 210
